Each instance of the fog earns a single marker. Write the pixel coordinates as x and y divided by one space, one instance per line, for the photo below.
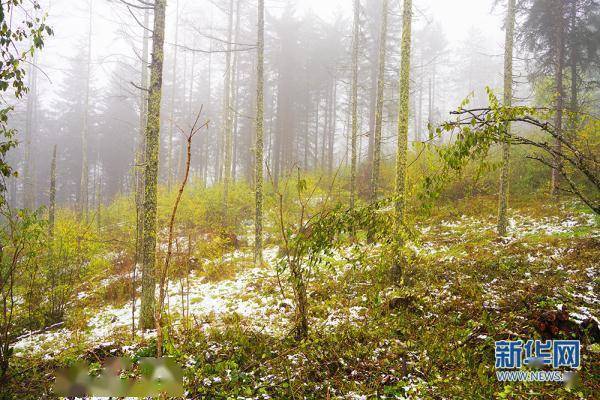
456 52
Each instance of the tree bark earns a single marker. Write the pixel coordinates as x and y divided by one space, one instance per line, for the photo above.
151 168
333 128
227 134
558 81
235 98
354 100
172 102
30 126
52 205
84 182
259 143
139 163
508 81
573 65
403 110
379 104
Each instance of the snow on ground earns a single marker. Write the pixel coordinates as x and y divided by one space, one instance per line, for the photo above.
207 300
245 295
520 226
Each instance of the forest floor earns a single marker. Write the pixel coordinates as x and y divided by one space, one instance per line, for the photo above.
432 336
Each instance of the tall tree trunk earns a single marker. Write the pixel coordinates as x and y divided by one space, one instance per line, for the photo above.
30 127
207 143
235 77
139 166
98 196
379 112
419 104
401 173
141 147
52 205
354 100
259 144
191 105
84 182
558 81
430 108
573 65
307 116
333 128
316 135
508 81
151 168
227 134
325 128
172 101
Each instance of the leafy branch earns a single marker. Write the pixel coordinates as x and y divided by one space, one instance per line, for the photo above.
477 129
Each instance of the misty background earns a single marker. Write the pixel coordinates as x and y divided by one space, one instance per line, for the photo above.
457 50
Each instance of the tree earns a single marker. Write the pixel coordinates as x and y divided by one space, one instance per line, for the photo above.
172 101
84 182
285 136
164 271
151 168
12 73
227 122
260 100
508 81
141 145
559 51
354 100
30 127
19 40
401 173
584 53
560 36
52 205
379 103
480 128
579 22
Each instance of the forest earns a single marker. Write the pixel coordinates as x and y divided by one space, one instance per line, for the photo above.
300 199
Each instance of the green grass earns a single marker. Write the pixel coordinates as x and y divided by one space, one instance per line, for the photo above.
436 342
